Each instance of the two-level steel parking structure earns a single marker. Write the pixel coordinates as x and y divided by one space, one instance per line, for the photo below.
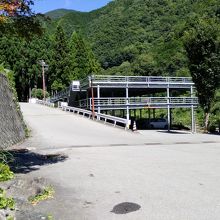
102 93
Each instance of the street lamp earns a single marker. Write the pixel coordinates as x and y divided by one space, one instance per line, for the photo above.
44 68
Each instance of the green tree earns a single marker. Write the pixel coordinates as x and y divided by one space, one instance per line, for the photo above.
60 65
83 61
38 93
215 111
203 52
23 58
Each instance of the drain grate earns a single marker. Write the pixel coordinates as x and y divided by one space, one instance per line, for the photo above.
125 207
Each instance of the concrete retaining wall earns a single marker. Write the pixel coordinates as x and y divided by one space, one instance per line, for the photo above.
11 125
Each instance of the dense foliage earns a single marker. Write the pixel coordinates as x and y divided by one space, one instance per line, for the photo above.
66 60
203 50
138 36
17 18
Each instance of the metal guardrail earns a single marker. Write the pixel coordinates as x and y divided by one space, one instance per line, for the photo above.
41 102
86 113
99 117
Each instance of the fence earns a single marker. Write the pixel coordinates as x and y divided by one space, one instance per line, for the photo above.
116 121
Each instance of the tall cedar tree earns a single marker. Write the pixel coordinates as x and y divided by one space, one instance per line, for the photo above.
83 61
203 51
60 66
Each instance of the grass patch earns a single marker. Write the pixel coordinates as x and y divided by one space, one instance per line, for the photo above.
49 217
27 132
47 193
6 203
6 157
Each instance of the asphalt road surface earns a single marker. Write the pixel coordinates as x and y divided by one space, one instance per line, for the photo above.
117 175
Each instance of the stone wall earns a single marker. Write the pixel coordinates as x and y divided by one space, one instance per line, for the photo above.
11 124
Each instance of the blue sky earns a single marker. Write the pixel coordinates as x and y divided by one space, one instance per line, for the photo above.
42 6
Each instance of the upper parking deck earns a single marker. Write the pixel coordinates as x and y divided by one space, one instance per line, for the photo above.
104 81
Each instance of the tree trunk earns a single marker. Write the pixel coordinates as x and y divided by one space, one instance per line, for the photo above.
206 121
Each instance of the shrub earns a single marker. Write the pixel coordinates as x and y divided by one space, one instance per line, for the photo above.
47 193
6 202
5 172
38 93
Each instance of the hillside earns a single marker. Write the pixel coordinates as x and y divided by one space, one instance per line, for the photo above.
137 36
70 20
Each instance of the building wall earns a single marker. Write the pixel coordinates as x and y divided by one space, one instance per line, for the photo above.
11 124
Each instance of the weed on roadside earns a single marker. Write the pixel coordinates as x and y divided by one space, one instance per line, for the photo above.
50 217
47 193
10 218
6 203
5 173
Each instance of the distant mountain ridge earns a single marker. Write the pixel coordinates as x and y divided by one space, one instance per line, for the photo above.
58 13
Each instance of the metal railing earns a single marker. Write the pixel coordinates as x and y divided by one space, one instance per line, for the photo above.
97 79
60 95
139 101
46 103
107 80
99 117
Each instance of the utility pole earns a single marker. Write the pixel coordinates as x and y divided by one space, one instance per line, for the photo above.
44 66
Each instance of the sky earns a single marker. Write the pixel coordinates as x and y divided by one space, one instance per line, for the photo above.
42 6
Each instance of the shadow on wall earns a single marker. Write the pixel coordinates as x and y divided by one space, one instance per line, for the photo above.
26 161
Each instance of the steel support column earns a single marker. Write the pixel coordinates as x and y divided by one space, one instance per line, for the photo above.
127 107
98 96
193 129
168 109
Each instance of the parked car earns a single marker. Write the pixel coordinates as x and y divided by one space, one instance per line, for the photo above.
158 123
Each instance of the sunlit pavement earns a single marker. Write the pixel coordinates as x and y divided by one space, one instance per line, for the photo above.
113 174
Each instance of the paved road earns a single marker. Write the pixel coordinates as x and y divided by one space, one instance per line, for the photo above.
170 176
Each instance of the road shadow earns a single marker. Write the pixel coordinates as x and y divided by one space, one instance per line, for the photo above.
215 134
174 132
25 161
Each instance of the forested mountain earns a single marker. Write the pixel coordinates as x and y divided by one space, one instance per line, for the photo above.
138 36
128 37
70 20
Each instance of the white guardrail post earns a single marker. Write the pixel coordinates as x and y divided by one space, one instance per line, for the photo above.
41 102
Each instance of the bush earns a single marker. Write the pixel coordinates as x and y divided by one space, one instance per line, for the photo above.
212 129
5 172
38 93
6 202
